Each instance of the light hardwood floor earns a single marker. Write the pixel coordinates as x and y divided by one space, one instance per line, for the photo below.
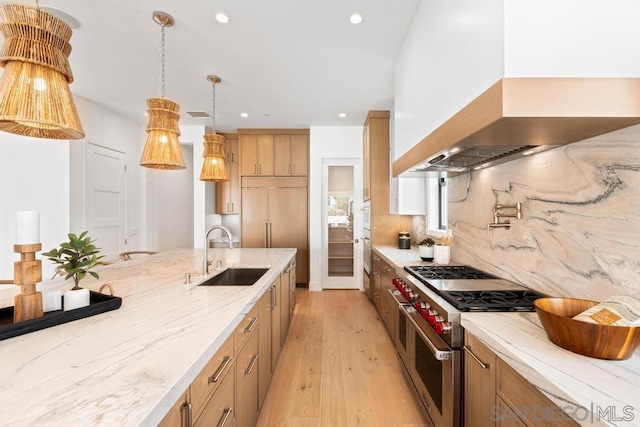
338 368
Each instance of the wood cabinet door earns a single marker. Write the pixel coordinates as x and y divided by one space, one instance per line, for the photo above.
285 301
176 415
221 406
299 155
282 155
255 217
228 192
276 346
366 156
248 155
288 209
232 150
265 154
247 383
479 383
264 345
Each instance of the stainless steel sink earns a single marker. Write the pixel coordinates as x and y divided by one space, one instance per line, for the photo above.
236 277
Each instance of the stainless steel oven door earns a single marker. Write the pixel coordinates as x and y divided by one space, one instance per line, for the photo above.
366 252
434 368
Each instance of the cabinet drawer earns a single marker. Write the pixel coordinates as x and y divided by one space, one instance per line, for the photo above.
506 417
245 328
534 408
210 378
177 414
221 409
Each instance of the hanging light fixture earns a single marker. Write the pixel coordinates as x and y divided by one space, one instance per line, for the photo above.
35 99
214 167
162 149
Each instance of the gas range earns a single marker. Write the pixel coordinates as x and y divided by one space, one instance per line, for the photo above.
457 289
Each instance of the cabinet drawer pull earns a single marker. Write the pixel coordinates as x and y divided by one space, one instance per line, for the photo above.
252 365
254 322
187 414
470 353
225 363
225 417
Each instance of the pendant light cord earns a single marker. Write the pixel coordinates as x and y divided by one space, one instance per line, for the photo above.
213 109
162 63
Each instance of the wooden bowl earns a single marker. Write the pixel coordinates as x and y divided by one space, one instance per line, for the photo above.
589 339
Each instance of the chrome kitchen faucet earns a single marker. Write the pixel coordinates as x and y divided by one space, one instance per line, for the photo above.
205 262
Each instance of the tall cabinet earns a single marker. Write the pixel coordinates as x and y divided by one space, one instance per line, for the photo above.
274 165
377 177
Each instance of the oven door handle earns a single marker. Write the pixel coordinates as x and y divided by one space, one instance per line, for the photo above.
437 353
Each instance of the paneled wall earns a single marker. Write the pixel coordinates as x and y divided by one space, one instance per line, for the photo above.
580 231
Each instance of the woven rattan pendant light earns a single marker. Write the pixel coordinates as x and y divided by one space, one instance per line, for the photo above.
162 149
35 99
214 168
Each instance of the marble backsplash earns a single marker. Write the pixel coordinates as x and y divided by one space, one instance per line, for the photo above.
579 235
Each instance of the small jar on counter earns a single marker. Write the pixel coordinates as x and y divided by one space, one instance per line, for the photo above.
404 240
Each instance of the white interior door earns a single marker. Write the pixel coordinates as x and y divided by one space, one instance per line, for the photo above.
106 206
341 224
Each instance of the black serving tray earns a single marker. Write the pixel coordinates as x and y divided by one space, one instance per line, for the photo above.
98 303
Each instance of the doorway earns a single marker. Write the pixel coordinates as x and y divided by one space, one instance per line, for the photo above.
106 195
341 224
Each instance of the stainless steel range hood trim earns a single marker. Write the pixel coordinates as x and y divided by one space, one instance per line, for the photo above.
539 113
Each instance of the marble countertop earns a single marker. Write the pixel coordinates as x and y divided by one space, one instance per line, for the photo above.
581 385
128 366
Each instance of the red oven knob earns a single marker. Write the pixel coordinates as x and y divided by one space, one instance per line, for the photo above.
431 317
439 328
412 296
421 307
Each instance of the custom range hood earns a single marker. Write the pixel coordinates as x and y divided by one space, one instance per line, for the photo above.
521 116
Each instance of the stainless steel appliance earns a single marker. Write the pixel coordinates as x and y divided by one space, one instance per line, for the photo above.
429 336
366 247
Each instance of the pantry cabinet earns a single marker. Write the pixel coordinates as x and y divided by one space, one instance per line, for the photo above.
275 215
496 395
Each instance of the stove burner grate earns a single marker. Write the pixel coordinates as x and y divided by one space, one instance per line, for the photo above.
447 272
492 300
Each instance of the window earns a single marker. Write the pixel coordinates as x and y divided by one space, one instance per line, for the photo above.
437 204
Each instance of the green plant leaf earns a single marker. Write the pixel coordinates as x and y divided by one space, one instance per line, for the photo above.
84 233
94 274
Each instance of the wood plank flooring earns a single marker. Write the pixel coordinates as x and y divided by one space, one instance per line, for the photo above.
338 368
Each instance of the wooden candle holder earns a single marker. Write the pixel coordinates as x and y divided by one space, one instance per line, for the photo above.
26 273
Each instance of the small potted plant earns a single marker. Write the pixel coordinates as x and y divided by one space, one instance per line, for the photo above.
425 248
75 258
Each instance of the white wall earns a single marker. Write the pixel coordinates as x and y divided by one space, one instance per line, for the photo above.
452 52
35 176
173 205
572 38
326 142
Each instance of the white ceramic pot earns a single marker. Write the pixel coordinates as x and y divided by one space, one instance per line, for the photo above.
76 299
442 254
426 252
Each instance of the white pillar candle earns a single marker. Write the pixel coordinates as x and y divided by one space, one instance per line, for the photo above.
28 227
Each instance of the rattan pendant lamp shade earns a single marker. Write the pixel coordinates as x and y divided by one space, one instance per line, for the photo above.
35 99
214 168
162 149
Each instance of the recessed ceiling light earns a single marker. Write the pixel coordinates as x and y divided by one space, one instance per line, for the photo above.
528 153
355 18
342 115
222 18
244 115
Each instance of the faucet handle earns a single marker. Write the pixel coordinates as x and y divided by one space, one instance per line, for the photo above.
219 264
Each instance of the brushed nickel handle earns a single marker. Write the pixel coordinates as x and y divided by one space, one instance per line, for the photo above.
225 417
187 414
470 353
254 322
225 363
252 365
227 206
232 207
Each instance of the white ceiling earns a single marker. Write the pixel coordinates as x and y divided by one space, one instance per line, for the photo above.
288 63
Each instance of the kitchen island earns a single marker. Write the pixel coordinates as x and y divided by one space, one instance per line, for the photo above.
129 366
580 385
